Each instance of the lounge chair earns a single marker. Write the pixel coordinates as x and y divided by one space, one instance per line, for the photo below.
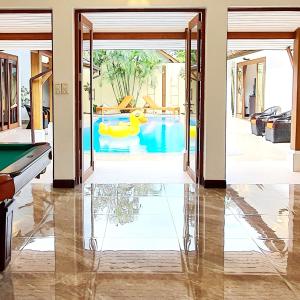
153 106
121 107
258 120
278 128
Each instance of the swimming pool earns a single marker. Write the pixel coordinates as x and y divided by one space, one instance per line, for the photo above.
161 134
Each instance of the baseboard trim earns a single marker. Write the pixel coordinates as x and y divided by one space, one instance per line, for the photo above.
214 184
64 183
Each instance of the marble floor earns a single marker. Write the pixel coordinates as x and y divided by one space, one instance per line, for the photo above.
155 241
252 159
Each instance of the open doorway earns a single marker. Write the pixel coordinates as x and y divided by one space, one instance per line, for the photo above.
250 86
26 96
140 94
259 96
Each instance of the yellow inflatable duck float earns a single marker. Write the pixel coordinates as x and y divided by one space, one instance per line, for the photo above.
193 131
124 129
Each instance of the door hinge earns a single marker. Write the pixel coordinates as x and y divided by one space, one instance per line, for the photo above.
80 76
198 123
199 76
80 123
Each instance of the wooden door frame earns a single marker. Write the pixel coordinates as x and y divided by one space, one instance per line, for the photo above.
201 12
8 60
10 66
164 87
80 175
198 21
244 65
244 71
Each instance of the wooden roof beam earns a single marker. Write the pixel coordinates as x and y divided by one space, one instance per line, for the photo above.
149 35
261 35
33 36
139 35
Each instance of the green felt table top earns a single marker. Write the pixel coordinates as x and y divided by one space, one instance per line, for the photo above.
10 153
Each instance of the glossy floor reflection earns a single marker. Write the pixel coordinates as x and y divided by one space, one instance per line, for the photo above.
147 241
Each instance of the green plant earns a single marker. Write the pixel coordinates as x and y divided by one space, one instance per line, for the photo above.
180 55
86 87
95 108
25 98
126 70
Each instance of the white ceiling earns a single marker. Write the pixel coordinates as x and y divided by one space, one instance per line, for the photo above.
140 21
263 21
152 44
259 44
141 44
10 23
155 22
26 45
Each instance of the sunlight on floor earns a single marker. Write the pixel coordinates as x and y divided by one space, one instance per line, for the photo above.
128 168
251 159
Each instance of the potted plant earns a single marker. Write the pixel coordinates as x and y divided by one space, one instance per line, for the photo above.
25 100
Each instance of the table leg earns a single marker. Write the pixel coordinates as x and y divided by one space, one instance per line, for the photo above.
6 219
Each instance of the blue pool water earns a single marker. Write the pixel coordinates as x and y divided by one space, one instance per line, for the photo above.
161 134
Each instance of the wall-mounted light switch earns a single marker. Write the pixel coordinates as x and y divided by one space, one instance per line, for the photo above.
57 88
64 88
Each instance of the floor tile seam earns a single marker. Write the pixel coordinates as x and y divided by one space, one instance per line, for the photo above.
267 258
290 286
28 238
287 283
102 243
174 225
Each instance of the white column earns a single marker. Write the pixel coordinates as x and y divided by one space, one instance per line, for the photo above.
63 72
215 93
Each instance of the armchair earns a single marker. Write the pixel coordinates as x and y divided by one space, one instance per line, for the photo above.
278 128
258 120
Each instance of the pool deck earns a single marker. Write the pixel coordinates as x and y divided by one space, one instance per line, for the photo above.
250 159
139 168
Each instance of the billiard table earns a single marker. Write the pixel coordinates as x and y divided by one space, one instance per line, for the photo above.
19 164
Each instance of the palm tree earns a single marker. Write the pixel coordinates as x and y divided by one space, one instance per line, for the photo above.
126 70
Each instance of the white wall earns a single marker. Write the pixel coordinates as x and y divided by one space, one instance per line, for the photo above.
215 72
278 80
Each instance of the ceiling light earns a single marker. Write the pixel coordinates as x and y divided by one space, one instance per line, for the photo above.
138 2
